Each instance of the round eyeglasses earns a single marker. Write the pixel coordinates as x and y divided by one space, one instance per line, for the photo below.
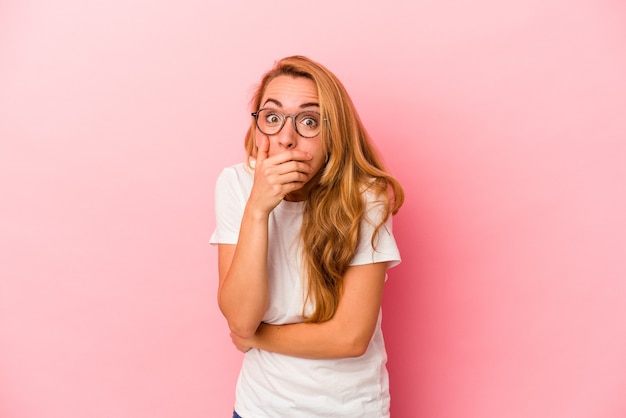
271 121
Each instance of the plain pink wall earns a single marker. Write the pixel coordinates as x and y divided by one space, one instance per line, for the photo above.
506 124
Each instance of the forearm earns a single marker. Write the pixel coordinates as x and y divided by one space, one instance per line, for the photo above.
243 294
347 334
312 340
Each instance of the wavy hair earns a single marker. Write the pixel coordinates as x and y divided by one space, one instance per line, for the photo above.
335 206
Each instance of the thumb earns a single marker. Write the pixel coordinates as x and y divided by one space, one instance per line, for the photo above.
262 149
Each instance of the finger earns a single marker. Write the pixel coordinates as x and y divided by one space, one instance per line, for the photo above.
292 187
293 166
294 177
263 149
292 155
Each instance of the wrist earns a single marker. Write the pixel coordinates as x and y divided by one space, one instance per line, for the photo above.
256 341
256 214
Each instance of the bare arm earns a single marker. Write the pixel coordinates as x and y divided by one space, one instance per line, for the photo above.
347 334
243 294
243 290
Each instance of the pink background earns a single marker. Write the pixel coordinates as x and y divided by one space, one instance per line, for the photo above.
506 123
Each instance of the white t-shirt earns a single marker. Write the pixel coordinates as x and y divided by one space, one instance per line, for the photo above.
272 385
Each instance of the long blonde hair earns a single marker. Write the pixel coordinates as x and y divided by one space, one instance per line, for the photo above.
335 207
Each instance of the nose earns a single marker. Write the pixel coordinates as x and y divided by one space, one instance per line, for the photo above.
288 137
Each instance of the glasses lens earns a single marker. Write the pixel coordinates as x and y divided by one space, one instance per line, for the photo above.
270 121
308 124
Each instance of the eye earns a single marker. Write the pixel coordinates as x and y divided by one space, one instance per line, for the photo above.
309 120
272 118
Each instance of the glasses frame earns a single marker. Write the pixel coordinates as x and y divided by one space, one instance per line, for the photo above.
293 117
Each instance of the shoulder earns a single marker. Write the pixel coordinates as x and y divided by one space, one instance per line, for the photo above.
241 174
376 239
237 171
375 198
234 181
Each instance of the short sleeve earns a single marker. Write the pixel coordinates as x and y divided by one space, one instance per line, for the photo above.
232 190
384 246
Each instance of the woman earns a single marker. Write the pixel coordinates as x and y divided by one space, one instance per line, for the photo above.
304 241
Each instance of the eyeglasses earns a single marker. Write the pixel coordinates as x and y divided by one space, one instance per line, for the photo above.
271 121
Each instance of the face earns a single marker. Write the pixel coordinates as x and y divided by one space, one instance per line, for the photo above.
292 95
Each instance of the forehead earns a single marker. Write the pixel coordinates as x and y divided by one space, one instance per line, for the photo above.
290 91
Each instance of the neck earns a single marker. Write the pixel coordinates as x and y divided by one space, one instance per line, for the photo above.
298 195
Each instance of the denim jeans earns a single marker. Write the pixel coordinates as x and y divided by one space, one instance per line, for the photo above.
236 415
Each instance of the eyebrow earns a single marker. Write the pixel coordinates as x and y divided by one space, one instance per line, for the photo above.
302 106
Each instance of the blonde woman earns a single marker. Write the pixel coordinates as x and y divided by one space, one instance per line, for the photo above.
304 241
